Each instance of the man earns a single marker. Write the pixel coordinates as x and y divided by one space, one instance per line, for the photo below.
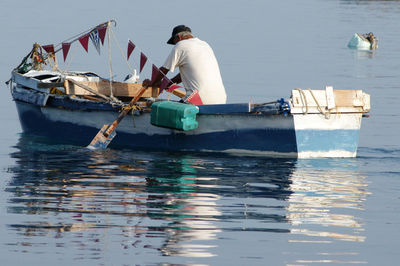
198 68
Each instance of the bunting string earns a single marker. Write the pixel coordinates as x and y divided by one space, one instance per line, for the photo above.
74 38
97 36
110 63
143 60
73 53
83 38
133 72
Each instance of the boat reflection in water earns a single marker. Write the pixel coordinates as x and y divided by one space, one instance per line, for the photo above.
146 201
325 207
215 196
147 204
159 207
191 214
61 192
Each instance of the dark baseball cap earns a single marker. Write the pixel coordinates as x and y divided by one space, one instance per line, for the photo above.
176 30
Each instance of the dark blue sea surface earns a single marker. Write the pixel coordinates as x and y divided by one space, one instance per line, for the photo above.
66 205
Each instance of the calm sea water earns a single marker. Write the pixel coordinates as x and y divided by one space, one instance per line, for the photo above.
62 205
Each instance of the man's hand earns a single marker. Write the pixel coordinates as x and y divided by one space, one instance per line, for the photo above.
146 83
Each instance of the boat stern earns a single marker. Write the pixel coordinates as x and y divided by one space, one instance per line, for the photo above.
327 122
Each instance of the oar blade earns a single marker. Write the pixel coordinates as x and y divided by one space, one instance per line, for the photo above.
100 141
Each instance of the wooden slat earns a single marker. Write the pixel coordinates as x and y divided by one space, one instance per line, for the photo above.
348 98
120 89
69 82
342 98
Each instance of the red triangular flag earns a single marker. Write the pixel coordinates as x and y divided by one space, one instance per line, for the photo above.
65 48
131 47
49 48
84 40
164 83
143 60
154 74
102 33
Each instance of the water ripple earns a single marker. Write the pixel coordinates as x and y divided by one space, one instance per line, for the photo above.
177 204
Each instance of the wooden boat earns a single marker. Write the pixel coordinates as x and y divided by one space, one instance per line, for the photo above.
73 106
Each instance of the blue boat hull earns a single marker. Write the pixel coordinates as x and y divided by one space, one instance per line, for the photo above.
233 128
272 140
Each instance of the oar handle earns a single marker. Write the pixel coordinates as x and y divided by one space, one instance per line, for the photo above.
179 93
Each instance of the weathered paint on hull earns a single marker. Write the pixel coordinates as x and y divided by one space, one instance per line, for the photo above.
335 135
327 143
246 134
80 127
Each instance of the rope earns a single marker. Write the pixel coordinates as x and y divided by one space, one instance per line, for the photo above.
69 61
37 57
319 108
303 97
25 59
129 108
110 63
132 109
51 59
122 53
77 36
326 114
115 100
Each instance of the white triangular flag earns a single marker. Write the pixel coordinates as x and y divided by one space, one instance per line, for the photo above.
95 37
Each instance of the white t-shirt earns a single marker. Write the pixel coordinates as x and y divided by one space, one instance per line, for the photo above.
199 69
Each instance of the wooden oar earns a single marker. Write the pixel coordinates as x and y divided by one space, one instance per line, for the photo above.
107 132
